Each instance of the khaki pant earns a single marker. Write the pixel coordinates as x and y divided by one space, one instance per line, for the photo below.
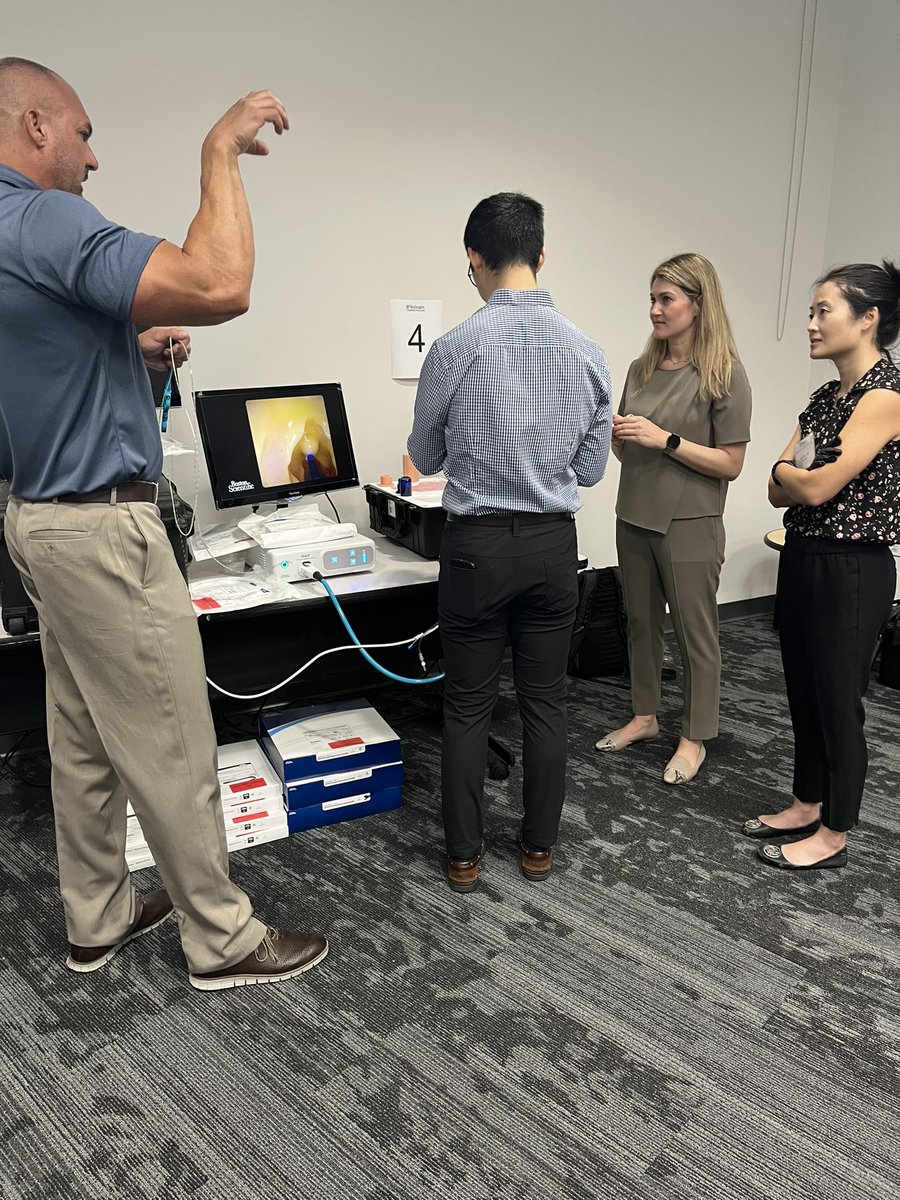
680 568
128 716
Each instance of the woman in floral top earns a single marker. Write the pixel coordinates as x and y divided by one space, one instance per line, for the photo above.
839 479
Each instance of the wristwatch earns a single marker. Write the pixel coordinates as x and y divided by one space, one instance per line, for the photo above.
673 441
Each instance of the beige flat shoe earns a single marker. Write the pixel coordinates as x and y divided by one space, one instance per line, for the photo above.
679 771
612 743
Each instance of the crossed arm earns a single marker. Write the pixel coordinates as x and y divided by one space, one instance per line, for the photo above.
873 423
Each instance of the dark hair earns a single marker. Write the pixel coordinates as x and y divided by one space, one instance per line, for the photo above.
506 230
865 286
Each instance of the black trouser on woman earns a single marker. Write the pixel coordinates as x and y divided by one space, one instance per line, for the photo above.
832 599
516 582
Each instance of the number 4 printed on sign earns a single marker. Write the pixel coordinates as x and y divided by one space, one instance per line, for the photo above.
414 326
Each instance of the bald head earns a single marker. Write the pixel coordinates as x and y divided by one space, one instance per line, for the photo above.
44 129
23 85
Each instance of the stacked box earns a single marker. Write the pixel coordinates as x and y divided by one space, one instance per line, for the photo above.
253 809
336 762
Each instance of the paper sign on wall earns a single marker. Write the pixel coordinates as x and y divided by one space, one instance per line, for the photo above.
414 326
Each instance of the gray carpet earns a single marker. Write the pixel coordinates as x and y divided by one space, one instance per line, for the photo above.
664 1019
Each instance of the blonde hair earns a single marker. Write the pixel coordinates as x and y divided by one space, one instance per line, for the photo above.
713 350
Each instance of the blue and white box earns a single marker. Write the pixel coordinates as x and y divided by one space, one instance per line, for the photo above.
336 761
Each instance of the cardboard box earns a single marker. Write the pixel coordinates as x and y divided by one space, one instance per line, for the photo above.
337 785
307 743
252 804
256 822
245 774
243 840
345 809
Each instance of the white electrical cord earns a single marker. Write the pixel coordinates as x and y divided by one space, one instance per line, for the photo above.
190 412
322 654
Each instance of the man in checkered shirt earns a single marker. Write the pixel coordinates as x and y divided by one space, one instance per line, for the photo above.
514 406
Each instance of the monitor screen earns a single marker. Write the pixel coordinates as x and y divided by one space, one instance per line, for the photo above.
275 443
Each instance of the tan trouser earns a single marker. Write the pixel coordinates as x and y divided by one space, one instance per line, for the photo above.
680 568
128 715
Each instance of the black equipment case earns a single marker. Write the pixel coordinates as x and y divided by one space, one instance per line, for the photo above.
417 523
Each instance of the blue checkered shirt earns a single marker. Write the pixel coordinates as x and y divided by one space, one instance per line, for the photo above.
514 406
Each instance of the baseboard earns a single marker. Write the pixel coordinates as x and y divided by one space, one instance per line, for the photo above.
754 607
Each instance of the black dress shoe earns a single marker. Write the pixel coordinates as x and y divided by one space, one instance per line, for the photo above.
156 907
774 858
280 955
759 829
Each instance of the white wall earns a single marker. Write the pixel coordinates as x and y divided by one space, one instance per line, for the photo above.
864 216
645 128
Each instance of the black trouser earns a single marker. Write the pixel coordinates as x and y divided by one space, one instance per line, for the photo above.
832 599
520 584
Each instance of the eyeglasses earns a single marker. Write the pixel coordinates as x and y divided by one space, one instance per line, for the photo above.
471 275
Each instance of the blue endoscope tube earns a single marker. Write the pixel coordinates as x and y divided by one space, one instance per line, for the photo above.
366 655
166 402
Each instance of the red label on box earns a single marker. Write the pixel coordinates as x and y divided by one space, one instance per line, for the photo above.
354 741
245 817
247 783
206 602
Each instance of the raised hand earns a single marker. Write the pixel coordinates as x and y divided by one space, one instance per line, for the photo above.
236 131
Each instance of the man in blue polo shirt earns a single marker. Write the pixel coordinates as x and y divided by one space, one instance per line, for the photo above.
513 406
127 706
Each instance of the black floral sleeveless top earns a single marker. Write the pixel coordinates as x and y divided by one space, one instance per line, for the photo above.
868 508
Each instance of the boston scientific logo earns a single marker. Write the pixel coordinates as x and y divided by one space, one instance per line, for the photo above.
240 485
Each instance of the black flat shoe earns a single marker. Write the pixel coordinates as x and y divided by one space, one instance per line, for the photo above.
772 856
759 829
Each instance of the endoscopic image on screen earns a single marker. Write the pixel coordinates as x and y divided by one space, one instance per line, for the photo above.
291 439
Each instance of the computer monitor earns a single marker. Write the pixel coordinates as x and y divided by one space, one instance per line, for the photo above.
275 443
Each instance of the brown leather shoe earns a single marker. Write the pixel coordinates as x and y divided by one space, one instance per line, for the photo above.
156 907
280 955
462 873
536 864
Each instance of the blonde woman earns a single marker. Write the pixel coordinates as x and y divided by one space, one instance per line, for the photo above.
680 435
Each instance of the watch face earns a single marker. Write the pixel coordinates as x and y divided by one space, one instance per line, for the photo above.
673 441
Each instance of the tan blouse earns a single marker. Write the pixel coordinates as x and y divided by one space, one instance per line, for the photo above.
655 489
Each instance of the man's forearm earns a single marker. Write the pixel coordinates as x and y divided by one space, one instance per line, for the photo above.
207 280
220 238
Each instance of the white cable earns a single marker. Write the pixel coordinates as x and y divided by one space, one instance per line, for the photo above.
322 654
194 530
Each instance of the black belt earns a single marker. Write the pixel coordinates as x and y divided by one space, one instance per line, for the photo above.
506 520
122 493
